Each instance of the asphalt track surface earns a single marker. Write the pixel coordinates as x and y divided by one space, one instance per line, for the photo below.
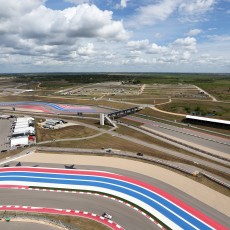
119 212
123 215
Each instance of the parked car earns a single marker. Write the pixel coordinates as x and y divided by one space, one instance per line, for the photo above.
140 154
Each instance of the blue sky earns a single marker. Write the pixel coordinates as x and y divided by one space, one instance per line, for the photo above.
115 35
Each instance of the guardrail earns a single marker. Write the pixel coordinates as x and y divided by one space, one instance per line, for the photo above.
216 180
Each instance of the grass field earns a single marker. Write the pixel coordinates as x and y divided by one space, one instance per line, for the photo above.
76 131
151 112
74 222
218 109
218 88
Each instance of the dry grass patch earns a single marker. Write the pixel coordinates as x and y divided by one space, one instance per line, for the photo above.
151 112
76 131
74 222
10 153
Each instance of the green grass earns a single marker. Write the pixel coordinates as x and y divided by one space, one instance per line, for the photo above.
218 109
218 88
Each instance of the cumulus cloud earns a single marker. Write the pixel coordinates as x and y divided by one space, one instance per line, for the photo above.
188 43
122 4
141 44
30 28
194 32
86 50
156 49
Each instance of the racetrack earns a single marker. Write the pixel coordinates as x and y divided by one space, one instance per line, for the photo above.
166 208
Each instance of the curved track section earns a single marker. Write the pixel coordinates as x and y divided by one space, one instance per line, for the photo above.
46 107
166 208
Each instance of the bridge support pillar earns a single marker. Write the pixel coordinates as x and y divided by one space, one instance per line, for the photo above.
102 119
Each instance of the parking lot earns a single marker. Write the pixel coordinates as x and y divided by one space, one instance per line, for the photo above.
5 132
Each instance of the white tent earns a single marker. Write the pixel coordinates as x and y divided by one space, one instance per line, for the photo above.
24 130
18 126
19 141
24 119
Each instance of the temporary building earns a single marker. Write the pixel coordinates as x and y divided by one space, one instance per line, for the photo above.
24 130
23 125
19 141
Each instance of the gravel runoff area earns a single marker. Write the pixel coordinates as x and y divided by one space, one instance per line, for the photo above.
202 193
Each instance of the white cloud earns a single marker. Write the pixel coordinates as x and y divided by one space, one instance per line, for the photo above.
155 49
31 20
141 44
124 3
192 7
86 50
150 14
220 38
30 29
194 32
188 43
186 55
139 60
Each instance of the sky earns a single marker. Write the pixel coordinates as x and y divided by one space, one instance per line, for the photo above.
115 36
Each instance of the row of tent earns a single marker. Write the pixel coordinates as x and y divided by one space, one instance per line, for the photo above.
23 131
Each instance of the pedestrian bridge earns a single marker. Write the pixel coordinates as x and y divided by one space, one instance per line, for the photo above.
124 112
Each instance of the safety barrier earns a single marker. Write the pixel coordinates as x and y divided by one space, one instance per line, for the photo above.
216 180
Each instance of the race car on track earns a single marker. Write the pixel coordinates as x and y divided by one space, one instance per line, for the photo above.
107 216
